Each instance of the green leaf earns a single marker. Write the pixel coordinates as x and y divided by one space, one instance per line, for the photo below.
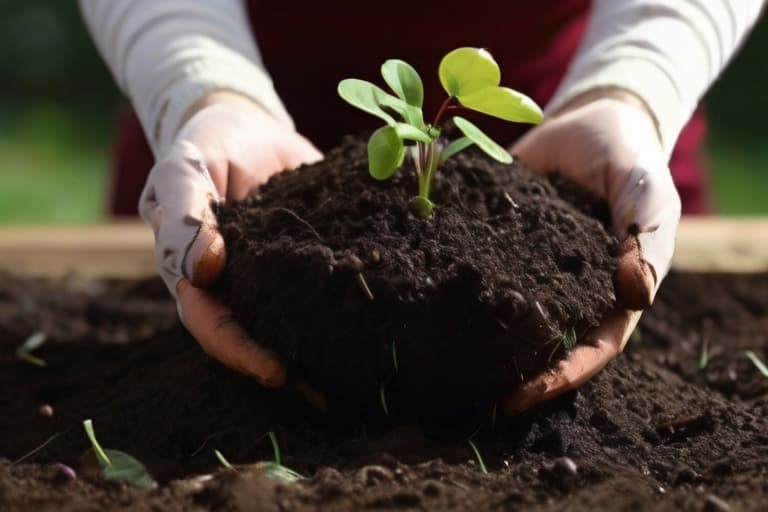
483 141
466 70
757 362
367 97
404 80
504 103
454 147
278 472
126 468
117 465
223 460
385 152
410 132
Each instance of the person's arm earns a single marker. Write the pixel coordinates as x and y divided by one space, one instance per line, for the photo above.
218 130
665 52
611 126
168 54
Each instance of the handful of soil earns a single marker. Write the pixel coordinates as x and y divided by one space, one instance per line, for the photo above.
368 302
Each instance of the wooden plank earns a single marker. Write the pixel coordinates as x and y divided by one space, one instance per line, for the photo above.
126 249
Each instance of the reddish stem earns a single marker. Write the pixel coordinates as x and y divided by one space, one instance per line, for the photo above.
445 106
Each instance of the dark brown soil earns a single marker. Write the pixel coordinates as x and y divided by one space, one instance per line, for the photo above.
362 297
653 431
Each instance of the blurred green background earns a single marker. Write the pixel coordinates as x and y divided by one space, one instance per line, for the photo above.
57 104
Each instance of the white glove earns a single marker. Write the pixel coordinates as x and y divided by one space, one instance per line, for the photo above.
224 151
611 146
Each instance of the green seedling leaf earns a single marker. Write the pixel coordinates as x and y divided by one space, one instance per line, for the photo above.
24 352
117 465
478 456
404 80
410 132
467 70
483 141
455 147
383 397
385 152
367 97
757 362
504 103
273 469
424 206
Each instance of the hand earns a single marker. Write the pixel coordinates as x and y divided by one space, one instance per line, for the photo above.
607 141
225 148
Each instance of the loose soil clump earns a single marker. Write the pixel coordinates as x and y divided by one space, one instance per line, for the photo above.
655 430
371 303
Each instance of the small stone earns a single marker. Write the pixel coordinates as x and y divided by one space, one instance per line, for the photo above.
566 465
716 504
375 256
45 410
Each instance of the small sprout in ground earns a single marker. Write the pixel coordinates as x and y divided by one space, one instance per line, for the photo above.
119 466
394 356
224 462
567 340
471 78
274 469
704 357
383 397
478 456
24 352
757 362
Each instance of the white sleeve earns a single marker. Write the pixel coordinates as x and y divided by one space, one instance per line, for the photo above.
668 52
166 54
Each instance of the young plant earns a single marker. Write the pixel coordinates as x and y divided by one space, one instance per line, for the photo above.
119 466
471 79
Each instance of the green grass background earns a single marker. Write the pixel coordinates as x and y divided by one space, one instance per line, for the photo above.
57 103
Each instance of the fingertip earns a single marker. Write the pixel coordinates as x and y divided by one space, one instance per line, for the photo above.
269 371
635 278
210 259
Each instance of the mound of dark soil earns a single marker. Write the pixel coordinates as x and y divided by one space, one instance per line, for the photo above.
653 431
368 301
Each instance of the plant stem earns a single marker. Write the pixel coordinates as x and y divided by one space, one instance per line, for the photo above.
445 106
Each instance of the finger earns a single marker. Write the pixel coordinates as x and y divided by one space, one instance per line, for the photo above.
177 202
646 212
583 363
212 325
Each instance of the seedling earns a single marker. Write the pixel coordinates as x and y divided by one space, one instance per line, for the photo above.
274 469
24 352
567 340
757 362
471 77
478 456
119 466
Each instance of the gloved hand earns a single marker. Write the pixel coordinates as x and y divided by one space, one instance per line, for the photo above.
608 142
227 147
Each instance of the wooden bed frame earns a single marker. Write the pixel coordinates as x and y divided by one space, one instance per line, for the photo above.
125 249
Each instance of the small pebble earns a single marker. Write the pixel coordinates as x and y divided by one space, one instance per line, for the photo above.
566 465
45 410
375 256
64 473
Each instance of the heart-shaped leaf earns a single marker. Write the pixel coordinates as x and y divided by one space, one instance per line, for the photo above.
483 141
385 152
504 103
404 80
467 70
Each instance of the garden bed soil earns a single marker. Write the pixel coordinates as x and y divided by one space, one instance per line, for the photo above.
653 431
363 298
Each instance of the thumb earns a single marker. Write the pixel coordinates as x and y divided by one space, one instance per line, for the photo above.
179 202
646 212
